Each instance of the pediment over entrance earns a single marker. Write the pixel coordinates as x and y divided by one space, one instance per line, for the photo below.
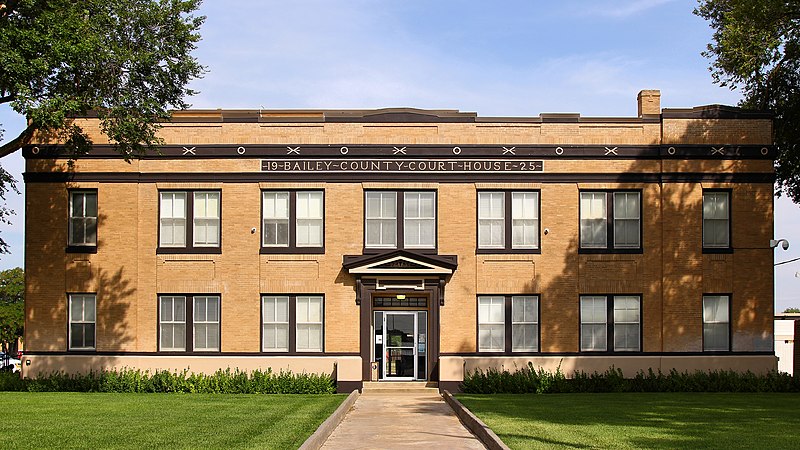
400 262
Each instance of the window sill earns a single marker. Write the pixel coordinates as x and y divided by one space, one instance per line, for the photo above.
619 251
717 251
508 251
189 250
81 249
292 250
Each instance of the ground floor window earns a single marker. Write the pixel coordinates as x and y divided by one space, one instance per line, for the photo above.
189 319
610 323
508 323
82 321
292 323
716 323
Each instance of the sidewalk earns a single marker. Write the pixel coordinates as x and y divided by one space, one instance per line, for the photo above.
400 421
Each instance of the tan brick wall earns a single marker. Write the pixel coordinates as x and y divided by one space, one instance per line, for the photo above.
671 273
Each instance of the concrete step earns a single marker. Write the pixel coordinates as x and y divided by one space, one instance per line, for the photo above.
401 387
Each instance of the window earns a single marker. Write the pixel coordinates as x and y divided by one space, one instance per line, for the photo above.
292 222
83 219
491 324
400 219
309 324
615 316
716 220
508 324
495 225
302 313
524 324
189 319
203 236
82 321
610 221
716 323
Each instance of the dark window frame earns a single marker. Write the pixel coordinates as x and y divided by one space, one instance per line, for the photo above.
69 324
82 248
610 325
292 337
508 220
189 324
292 248
400 218
729 295
508 326
189 247
717 250
610 241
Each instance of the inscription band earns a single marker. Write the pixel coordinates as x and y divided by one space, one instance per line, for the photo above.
402 165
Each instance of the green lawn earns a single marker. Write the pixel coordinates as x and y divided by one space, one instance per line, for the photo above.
79 420
660 420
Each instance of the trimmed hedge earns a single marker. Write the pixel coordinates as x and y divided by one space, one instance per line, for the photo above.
530 380
129 380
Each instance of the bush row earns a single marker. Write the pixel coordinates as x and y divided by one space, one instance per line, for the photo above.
530 380
129 380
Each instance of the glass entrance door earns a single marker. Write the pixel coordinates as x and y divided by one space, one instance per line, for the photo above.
400 349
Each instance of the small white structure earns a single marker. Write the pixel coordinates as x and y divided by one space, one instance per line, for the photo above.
786 328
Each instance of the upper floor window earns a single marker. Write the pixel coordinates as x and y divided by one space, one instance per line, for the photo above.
500 231
400 219
82 219
82 321
203 235
610 221
716 220
292 221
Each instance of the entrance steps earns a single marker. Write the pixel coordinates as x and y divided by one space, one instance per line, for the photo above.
400 387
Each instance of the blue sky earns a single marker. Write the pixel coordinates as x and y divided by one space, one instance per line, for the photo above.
512 58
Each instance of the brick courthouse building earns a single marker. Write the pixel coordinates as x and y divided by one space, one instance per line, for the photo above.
405 244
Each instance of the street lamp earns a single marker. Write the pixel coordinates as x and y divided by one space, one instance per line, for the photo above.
773 243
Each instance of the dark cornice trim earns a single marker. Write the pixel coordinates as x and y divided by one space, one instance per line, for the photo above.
446 261
533 177
192 354
604 354
400 151
714 112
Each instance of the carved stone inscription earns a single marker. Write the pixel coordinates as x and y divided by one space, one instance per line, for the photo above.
402 165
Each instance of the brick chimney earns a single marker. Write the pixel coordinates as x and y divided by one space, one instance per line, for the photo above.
649 102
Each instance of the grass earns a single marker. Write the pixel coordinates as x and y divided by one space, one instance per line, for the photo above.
641 420
81 420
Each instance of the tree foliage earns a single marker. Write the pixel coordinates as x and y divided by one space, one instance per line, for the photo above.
791 310
12 305
128 61
756 48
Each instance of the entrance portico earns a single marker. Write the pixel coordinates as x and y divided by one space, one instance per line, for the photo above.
400 293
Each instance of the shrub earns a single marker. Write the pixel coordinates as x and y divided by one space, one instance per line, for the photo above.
530 380
134 380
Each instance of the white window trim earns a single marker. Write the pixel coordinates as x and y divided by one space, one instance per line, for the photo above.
492 219
275 219
320 323
638 323
637 219
84 217
420 218
727 221
535 219
206 218
264 322
604 323
380 218
171 322
196 322
727 322
534 324
502 323
73 321
320 219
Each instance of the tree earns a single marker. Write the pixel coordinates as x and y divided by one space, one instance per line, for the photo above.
128 61
756 48
791 310
12 306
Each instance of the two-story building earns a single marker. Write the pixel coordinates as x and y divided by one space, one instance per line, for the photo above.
406 244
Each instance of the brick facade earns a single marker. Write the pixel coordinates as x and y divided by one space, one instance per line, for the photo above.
723 148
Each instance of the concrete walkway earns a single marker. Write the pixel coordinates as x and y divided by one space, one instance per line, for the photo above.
401 421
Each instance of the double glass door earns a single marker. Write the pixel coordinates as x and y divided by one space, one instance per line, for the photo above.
401 344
